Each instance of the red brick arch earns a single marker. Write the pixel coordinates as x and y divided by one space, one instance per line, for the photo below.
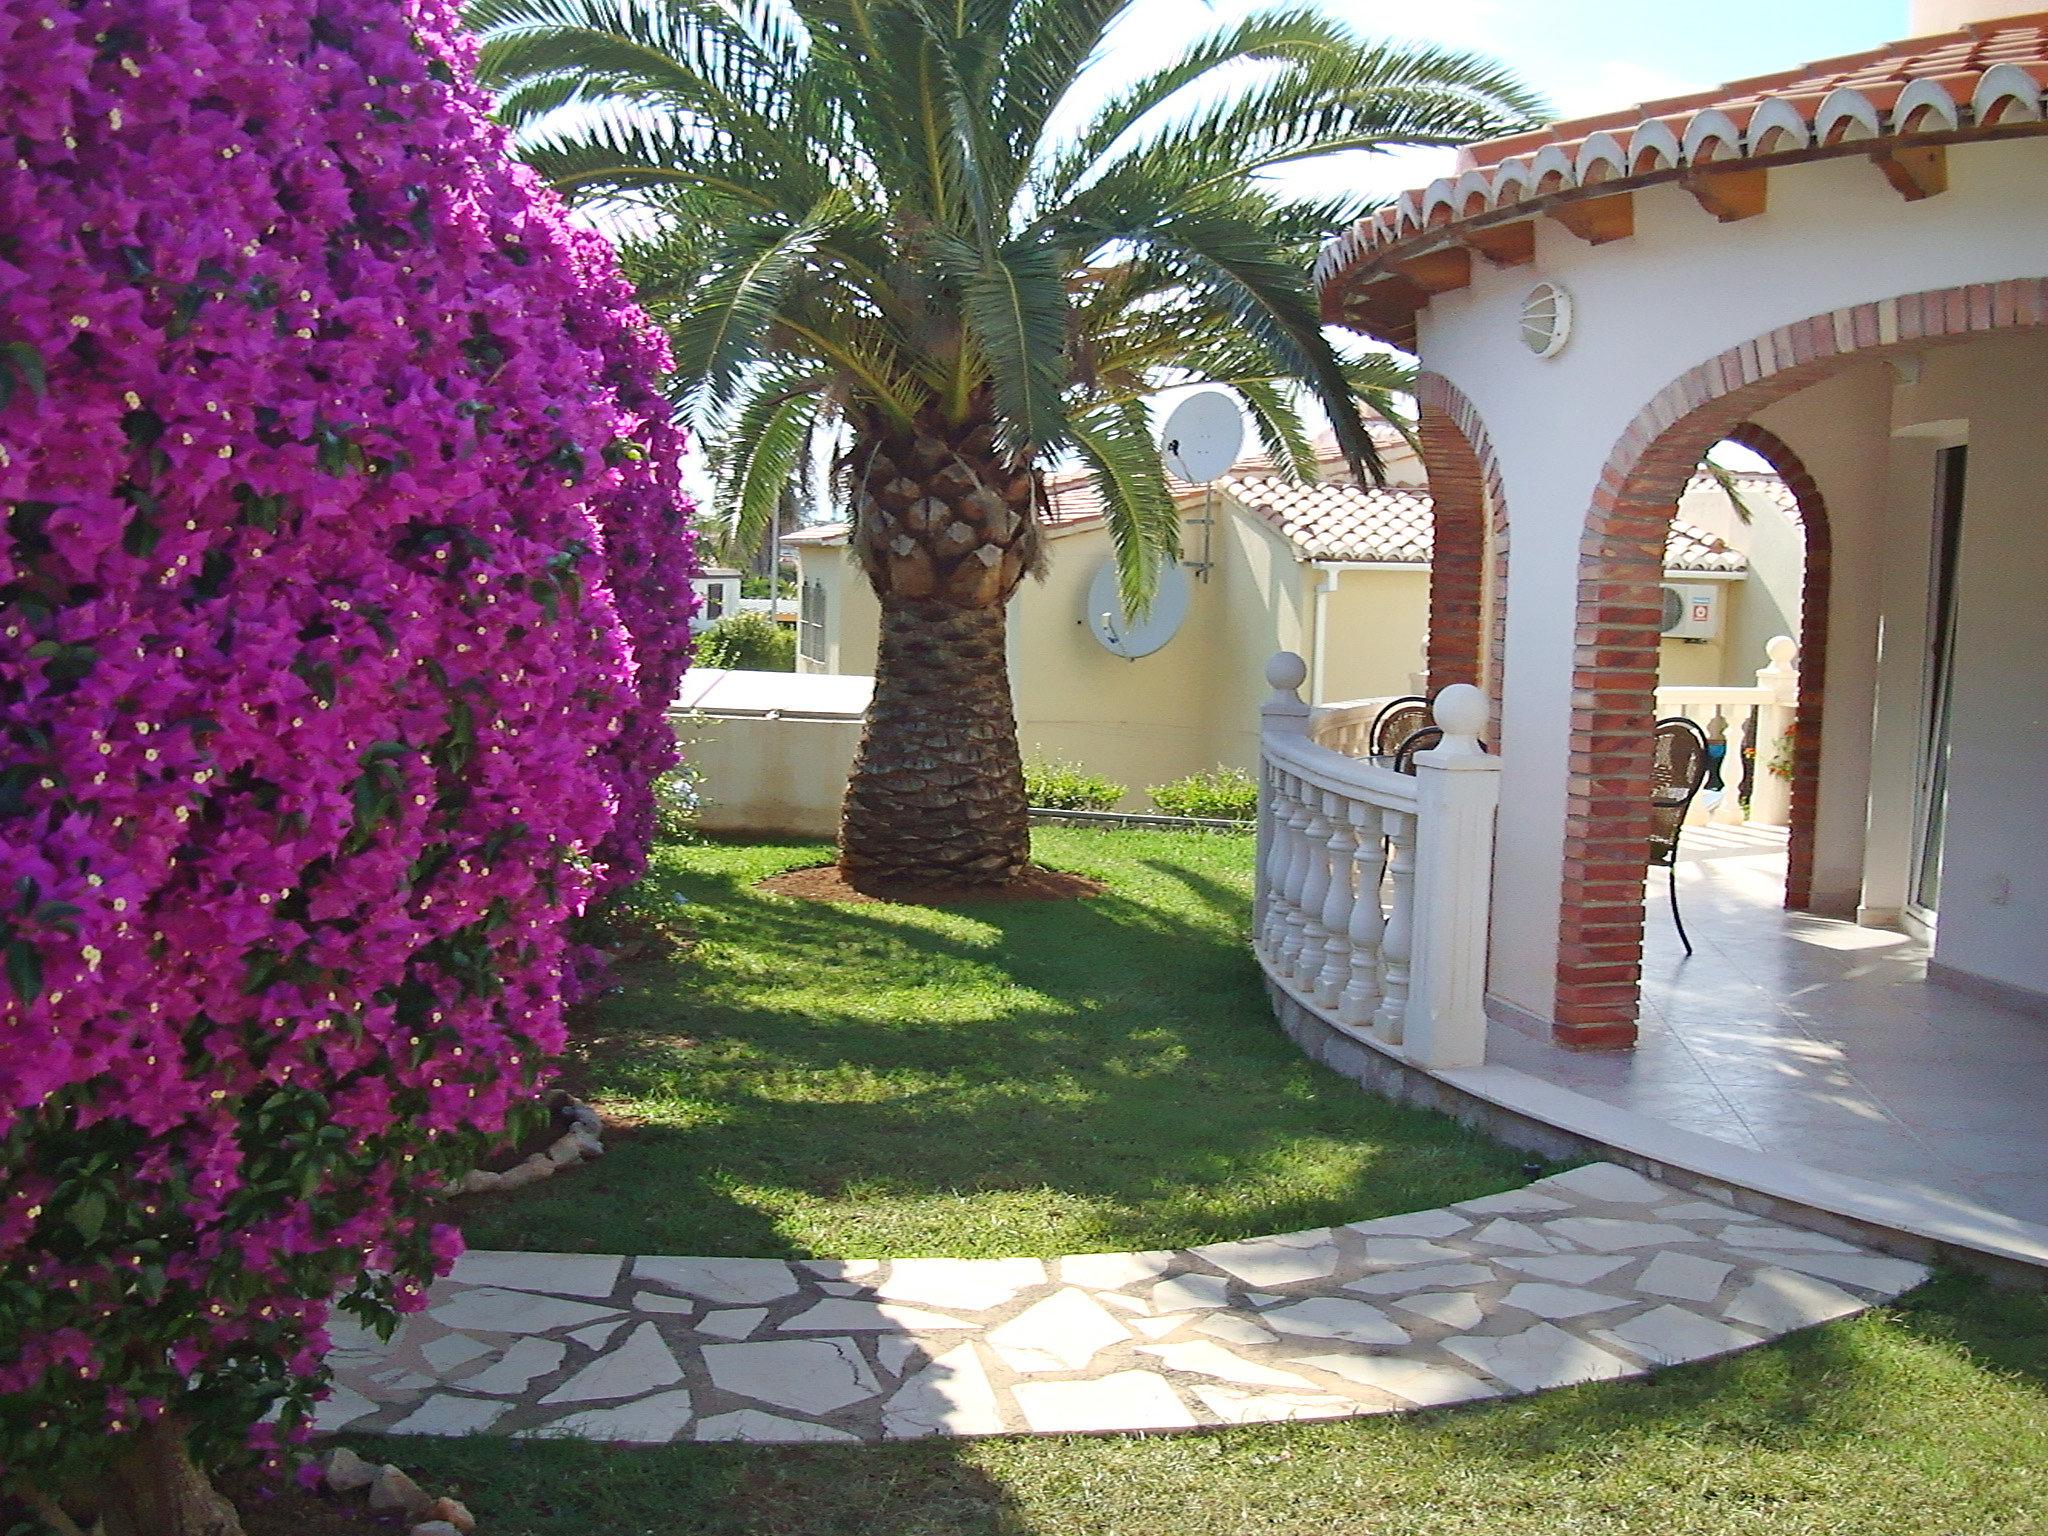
1621 561
1471 535
1815 588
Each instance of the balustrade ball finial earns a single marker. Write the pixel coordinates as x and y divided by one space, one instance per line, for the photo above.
1286 672
1460 712
1781 649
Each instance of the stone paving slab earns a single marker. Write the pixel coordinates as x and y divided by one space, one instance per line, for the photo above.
1590 1275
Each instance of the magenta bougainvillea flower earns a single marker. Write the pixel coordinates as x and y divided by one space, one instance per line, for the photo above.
343 581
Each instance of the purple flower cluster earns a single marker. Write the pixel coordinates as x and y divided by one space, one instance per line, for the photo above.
343 580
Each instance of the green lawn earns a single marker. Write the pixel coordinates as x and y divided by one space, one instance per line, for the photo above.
1023 1078
1928 1421
1040 1079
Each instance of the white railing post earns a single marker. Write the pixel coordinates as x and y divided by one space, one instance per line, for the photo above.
1328 983
1369 860
1457 794
1398 938
1284 714
1770 797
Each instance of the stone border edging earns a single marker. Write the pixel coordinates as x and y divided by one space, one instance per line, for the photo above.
582 1142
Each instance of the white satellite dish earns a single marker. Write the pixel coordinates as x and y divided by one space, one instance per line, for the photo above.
1203 437
1116 631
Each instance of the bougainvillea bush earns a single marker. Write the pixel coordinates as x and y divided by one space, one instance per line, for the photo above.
343 581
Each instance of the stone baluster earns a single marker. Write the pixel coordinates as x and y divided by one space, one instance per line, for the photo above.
1283 715
1262 865
1369 861
1315 891
1328 983
1398 939
1278 859
1295 928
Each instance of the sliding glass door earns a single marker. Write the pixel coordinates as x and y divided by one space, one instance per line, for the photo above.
1950 468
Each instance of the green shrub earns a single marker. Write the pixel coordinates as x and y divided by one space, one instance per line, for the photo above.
747 642
1227 794
1061 786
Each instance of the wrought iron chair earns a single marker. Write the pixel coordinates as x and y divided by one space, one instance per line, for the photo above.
1417 741
1397 720
1677 769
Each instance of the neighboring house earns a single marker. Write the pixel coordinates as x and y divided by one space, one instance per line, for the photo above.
718 596
1331 569
1843 266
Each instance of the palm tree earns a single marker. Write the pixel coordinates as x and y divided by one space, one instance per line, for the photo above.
893 222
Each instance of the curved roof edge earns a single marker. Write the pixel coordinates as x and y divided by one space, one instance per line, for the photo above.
1898 105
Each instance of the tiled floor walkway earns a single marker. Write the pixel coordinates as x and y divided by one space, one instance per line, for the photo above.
1593 1274
1819 1040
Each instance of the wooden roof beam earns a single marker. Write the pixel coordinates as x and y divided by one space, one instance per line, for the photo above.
1916 171
1597 220
1385 308
1505 245
1444 270
1730 195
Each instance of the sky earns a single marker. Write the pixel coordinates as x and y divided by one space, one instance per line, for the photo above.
1586 56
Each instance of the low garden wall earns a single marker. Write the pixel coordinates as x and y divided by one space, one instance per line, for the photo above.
770 752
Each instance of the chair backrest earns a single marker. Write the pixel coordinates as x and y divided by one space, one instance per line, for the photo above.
1678 766
1418 741
1397 720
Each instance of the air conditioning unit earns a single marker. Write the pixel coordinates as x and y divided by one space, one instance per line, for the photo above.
1691 611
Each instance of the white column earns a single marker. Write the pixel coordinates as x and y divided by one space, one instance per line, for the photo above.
1328 983
1770 797
1457 793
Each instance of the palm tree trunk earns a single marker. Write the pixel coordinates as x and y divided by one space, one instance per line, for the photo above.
937 792
945 530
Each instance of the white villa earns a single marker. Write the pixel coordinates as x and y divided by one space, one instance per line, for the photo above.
1330 569
1843 266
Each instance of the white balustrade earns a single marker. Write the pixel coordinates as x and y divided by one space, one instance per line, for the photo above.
1373 885
1760 717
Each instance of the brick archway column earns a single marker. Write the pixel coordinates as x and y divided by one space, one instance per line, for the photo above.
1815 588
1614 669
1470 519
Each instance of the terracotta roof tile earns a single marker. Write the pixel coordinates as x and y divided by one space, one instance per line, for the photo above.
1335 520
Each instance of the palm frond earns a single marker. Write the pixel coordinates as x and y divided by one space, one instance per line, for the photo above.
1143 522
761 454
1731 487
1015 305
1277 420
718 330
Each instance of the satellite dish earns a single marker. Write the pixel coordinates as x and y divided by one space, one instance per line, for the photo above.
1202 437
1116 631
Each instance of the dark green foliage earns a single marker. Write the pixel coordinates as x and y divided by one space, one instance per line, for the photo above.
1053 784
747 642
1224 794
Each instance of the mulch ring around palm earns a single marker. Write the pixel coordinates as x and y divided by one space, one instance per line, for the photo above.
828 882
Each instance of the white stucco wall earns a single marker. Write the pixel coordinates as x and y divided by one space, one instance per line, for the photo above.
1992 396
1683 289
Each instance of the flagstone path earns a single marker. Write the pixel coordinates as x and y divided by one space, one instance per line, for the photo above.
1590 1275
